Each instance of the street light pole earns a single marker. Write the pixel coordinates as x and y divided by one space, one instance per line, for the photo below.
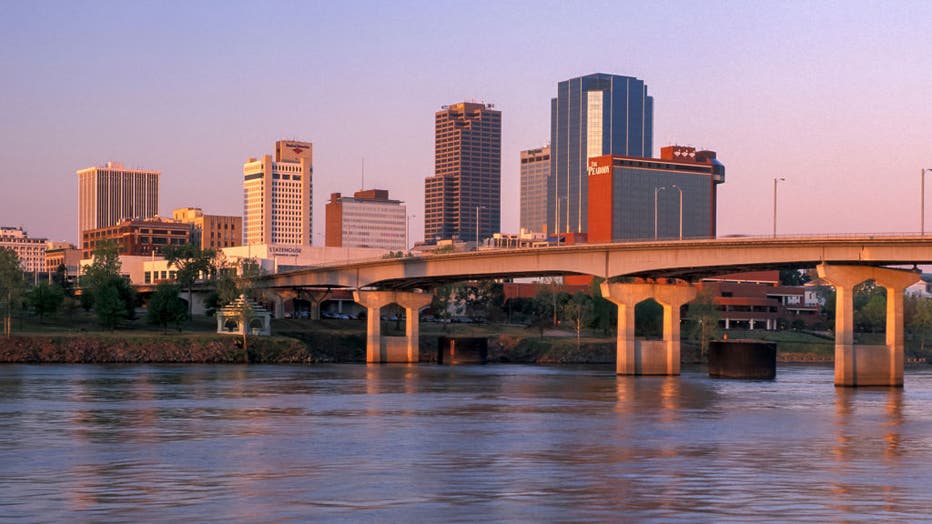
657 191
775 180
922 200
477 225
681 209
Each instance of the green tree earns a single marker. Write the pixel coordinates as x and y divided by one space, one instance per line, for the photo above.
12 286
541 313
238 280
578 310
703 316
192 264
166 307
601 309
648 319
870 307
45 299
919 319
793 277
106 290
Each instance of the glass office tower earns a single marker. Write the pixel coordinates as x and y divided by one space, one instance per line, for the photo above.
593 115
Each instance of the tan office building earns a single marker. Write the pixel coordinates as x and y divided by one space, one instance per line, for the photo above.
368 219
111 193
278 192
211 231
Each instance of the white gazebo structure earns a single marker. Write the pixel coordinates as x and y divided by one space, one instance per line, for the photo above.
231 319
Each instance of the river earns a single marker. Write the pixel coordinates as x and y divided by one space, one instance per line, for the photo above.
456 444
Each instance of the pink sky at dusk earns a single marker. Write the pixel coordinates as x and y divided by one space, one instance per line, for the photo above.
834 96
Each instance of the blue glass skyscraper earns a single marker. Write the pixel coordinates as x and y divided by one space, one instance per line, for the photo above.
593 115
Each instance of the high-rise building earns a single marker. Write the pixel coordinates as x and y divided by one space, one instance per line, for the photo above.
278 192
211 231
368 219
633 198
31 251
111 193
466 185
535 174
593 115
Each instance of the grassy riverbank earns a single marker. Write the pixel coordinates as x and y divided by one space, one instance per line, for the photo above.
78 339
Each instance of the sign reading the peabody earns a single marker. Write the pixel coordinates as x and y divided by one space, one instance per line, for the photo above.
599 165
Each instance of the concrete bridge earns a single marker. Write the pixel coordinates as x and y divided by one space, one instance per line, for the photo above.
665 270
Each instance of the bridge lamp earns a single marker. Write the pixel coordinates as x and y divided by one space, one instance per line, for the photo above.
477 225
657 191
922 201
775 180
681 209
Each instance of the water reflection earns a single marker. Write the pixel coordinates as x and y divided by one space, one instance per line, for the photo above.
405 443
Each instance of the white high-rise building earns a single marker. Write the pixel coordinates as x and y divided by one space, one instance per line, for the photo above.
111 193
368 219
277 196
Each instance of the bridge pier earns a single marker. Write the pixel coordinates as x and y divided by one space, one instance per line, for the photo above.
381 349
648 358
863 365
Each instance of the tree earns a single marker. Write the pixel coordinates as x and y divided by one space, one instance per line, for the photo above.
45 299
919 319
793 277
12 285
870 306
232 284
191 263
601 309
106 290
703 316
166 307
578 310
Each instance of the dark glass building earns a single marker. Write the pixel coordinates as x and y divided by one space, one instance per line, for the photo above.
467 181
593 115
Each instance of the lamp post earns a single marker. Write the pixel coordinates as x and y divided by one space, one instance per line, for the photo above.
557 224
407 217
922 202
681 209
775 180
657 191
477 225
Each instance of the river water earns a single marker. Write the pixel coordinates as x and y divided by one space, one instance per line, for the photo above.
447 444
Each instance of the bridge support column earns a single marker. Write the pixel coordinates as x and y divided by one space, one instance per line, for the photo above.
278 301
315 298
635 357
381 349
862 365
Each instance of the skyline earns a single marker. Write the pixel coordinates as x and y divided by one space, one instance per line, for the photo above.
834 97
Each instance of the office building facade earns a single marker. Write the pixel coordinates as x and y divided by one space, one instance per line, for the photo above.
466 185
535 175
112 192
367 219
31 251
592 115
211 231
277 196
147 237
632 198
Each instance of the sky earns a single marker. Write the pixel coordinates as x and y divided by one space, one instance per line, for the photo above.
836 97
